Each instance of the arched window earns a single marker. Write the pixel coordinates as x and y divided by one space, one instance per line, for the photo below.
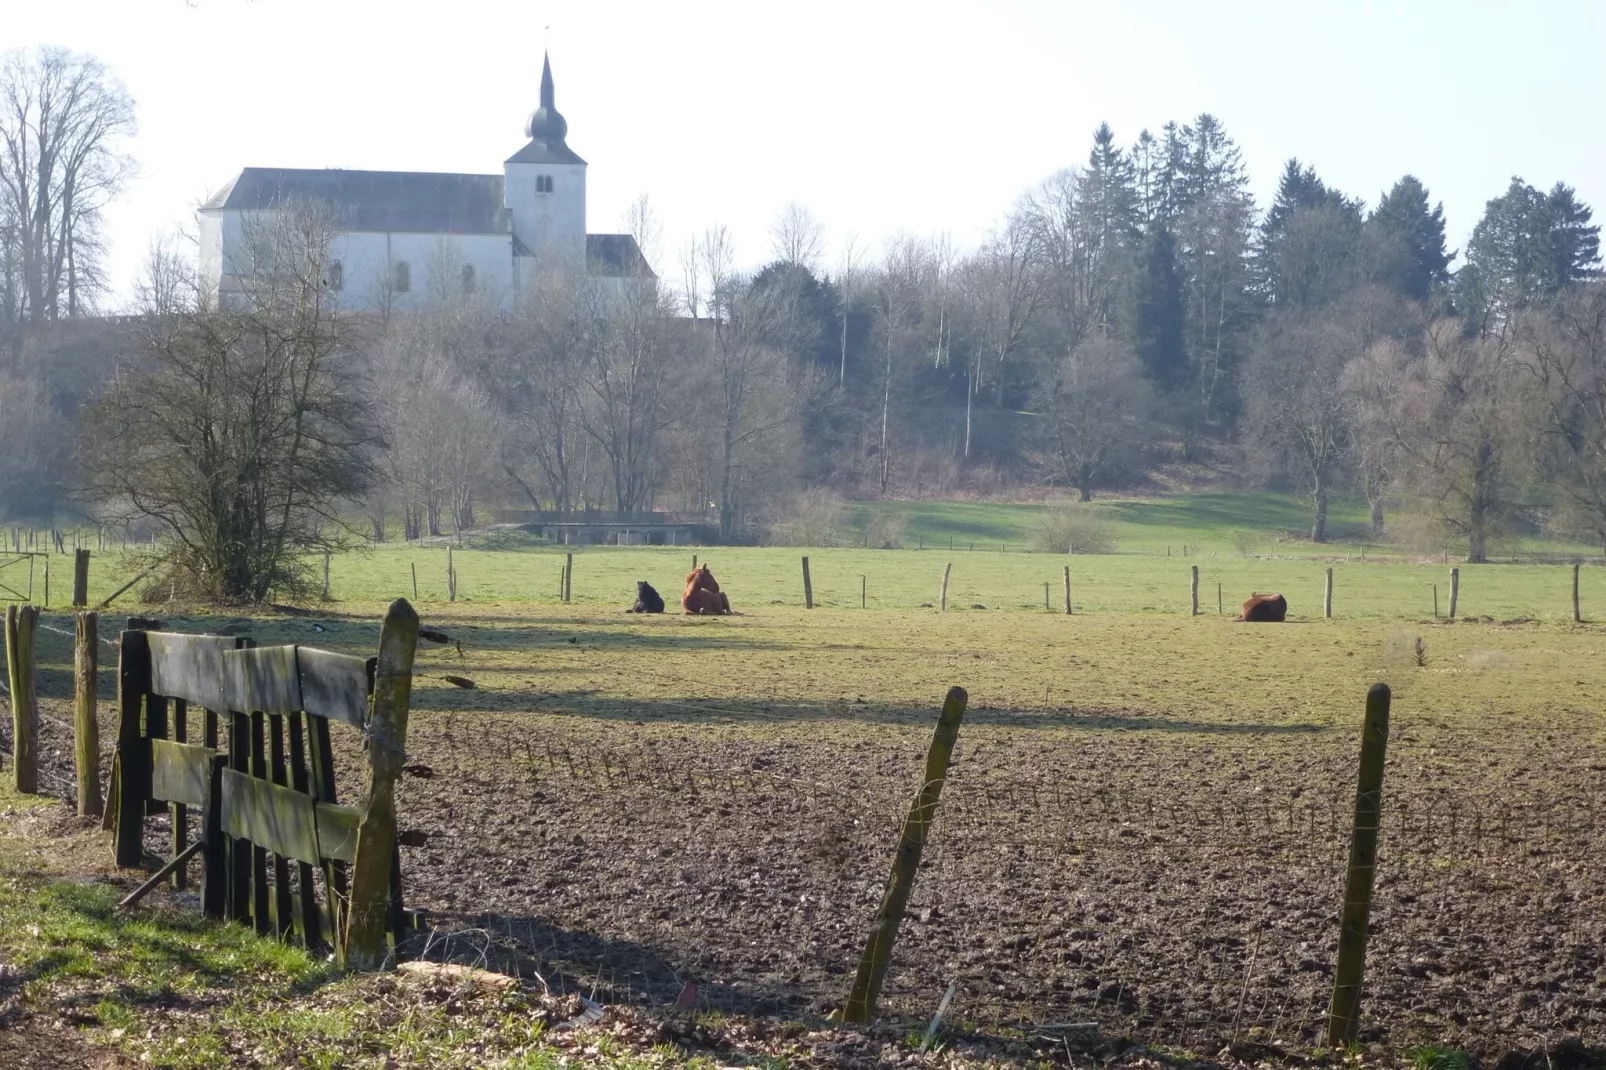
404 277
468 278
543 183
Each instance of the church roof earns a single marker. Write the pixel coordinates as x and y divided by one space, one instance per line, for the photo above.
546 128
418 201
615 255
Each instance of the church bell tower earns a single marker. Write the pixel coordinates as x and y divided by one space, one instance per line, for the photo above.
545 187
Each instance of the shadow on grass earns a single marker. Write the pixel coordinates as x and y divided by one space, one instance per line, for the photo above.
607 969
692 711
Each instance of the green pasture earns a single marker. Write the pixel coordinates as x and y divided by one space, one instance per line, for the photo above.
762 579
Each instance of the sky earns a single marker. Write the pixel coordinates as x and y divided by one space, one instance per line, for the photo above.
880 117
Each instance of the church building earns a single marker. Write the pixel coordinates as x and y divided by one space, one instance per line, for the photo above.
404 234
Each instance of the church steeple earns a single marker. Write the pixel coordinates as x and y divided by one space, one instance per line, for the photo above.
546 123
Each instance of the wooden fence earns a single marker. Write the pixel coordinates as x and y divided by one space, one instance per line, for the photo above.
274 840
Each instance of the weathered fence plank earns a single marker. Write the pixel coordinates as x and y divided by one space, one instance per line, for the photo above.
334 685
272 817
133 765
21 622
180 772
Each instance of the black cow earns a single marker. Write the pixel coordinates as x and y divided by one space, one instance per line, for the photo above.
647 599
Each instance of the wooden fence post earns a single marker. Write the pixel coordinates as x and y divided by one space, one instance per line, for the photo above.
808 586
47 583
1067 590
387 751
20 623
86 727
1455 590
568 576
414 567
1435 601
131 770
1577 616
1193 590
1220 611
946 569
451 577
326 575
1046 607
1327 597
864 592
884 930
1343 1016
80 578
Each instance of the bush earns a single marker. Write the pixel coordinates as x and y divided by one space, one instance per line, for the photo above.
812 517
1246 542
884 530
1073 530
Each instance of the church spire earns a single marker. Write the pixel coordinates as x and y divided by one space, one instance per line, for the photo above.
545 123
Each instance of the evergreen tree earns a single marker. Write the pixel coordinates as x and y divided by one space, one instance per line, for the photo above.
1403 218
1156 315
1527 248
1309 241
1109 190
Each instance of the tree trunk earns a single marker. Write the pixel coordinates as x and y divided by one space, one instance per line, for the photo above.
970 394
886 405
1377 518
1318 527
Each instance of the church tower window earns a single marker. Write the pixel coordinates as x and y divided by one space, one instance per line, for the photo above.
404 277
543 183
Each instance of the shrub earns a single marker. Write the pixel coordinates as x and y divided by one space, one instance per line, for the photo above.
1073 530
812 517
884 530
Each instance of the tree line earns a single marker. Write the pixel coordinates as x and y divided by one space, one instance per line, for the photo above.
1132 318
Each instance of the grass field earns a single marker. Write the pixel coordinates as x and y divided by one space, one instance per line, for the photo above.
1145 825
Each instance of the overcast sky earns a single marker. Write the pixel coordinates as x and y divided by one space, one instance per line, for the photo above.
880 117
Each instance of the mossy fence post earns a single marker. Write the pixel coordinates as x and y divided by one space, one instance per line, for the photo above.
884 929
808 586
86 727
366 923
568 576
451 576
20 624
1327 596
942 600
1067 590
1193 590
1455 590
1343 1016
1578 617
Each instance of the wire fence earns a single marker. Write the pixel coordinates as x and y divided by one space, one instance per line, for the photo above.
1181 894
1178 890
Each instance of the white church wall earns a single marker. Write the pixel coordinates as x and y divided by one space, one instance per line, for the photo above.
549 223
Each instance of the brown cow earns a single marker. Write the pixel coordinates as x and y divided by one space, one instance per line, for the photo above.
703 596
1270 608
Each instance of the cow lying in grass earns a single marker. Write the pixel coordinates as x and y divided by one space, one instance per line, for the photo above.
703 596
1271 608
648 600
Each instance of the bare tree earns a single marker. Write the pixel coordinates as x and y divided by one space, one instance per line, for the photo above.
748 378
797 237
848 283
62 117
1002 291
1564 348
1461 420
240 430
1297 414
1093 405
